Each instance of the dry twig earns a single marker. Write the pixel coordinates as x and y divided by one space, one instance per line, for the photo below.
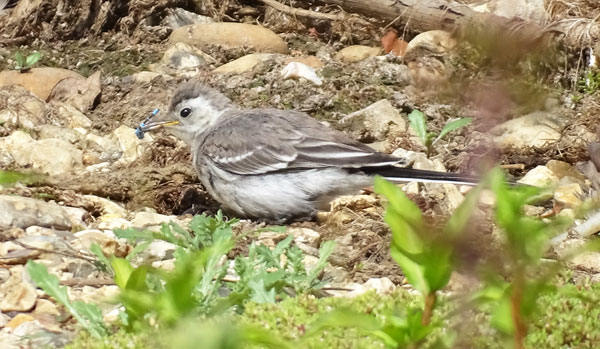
312 14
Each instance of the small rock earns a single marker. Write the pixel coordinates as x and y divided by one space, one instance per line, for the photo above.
380 285
535 130
310 61
434 41
85 238
525 9
108 149
374 122
590 226
541 176
230 34
448 194
166 265
563 169
28 328
18 297
178 17
182 56
72 117
50 156
296 70
108 207
82 94
158 250
21 109
40 81
310 263
24 212
150 220
62 133
131 146
569 195
244 64
76 216
356 53
18 320
305 235
44 306
143 77
111 222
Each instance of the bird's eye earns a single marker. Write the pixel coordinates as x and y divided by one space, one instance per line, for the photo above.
185 112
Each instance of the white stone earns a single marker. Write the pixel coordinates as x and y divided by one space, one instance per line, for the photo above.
149 219
374 122
535 130
569 195
131 146
541 176
244 64
50 156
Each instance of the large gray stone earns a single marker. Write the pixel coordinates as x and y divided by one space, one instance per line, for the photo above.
24 212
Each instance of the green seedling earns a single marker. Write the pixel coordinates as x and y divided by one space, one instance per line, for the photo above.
24 64
526 240
427 261
88 315
197 285
418 124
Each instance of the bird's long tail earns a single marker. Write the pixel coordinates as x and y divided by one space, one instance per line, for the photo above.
402 174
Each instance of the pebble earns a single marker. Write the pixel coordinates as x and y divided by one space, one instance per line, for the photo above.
534 130
569 195
374 122
356 53
50 156
540 176
244 64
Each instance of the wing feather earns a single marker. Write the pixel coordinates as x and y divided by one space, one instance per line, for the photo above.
258 141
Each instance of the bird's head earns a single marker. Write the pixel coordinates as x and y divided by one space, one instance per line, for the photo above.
193 109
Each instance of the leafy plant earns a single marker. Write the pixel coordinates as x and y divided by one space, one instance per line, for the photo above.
526 240
426 259
197 286
88 315
418 124
25 63
590 82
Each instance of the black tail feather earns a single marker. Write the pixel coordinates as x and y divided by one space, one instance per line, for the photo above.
403 174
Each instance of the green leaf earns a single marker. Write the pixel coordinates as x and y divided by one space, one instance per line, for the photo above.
260 293
20 60
502 315
457 224
417 123
96 250
122 269
453 126
133 234
32 59
140 247
344 318
88 315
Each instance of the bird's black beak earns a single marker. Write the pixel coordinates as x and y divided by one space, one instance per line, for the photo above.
146 125
158 124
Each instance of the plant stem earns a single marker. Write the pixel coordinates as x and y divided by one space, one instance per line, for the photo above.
517 318
428 311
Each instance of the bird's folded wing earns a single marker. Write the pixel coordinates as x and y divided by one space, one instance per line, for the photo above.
260 141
